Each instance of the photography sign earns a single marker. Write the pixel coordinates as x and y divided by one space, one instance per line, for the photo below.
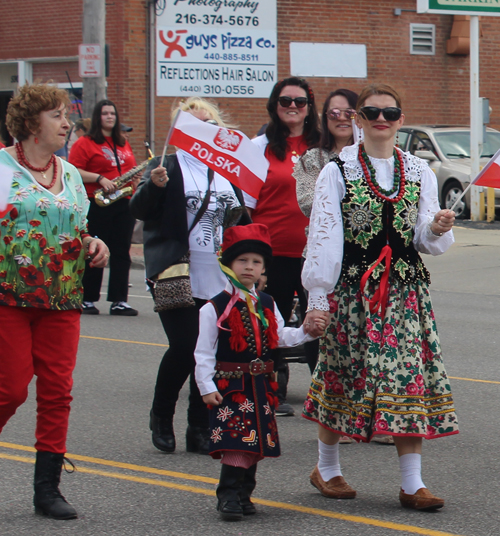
217 48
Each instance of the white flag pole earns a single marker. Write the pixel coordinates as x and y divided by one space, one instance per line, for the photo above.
168 137
461 196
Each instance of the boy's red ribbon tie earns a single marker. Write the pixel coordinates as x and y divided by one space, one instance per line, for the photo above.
380 296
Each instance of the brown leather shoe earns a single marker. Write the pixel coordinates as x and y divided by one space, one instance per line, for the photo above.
335 488
422 500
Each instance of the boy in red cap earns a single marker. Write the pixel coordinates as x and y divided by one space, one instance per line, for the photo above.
238 329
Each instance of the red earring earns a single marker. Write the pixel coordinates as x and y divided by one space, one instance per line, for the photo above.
36 139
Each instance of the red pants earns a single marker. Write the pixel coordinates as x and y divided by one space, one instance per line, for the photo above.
44 343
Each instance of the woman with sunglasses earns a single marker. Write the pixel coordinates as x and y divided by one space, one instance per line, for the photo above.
339 110
292 129
380 369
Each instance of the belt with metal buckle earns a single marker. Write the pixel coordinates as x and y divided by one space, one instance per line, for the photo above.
255 367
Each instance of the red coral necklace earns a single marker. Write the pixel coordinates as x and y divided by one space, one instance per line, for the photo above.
399 176
21 157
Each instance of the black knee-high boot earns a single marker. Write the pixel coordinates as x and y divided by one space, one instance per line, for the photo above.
48 500
246 491
230 483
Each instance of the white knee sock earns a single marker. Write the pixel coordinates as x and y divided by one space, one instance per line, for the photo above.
328 463
411 470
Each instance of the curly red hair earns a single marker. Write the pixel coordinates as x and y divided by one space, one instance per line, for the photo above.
23 112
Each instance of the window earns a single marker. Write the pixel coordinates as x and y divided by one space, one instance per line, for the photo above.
423 39
420 141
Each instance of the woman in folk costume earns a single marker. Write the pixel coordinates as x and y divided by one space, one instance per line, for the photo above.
238 329
380 368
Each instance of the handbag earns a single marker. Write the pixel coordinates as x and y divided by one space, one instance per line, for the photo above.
171 288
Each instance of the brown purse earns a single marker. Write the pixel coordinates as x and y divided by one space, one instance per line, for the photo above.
172 288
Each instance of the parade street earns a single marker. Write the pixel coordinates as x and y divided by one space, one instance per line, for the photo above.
124 486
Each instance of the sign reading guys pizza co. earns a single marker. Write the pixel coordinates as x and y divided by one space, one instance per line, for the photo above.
217 48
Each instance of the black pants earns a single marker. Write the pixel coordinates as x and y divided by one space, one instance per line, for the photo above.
283 281
181 327
114 225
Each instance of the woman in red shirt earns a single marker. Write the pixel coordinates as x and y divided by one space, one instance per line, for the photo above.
292 129
101 156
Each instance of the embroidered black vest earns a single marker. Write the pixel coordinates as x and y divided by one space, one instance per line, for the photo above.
370 223
224 350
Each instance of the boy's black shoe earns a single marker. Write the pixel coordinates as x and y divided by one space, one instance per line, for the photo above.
230 510
230 482
248 507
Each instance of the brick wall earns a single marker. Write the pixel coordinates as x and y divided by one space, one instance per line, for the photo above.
40 28
435 89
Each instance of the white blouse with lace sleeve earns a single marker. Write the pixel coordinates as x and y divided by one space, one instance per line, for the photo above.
325 243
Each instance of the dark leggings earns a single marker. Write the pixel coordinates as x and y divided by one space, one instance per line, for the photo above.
283 281
181 327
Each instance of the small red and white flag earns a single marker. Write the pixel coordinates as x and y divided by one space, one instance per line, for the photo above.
228 152
490 174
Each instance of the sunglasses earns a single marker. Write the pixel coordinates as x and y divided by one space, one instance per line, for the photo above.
286 102
336 113
371 113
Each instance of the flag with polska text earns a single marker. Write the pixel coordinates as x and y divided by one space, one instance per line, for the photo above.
228 152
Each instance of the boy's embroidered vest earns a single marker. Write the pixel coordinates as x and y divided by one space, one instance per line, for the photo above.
241 327
371 223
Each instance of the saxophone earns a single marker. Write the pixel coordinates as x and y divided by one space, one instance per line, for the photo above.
104 199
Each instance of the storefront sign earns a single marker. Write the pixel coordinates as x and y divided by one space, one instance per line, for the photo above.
459 7
217 48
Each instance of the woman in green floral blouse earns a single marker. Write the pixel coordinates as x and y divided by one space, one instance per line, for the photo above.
380 369
43 244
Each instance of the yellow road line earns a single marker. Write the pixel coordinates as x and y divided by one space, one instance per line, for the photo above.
273 504
120 465
122 340
473 380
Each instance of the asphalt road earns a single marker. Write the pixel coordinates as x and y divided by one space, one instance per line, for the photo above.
125 487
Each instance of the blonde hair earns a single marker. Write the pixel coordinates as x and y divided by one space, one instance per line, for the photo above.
23 112
195 104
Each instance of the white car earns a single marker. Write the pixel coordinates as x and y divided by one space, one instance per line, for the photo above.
447 149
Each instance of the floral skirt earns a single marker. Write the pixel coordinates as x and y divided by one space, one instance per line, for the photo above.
381 376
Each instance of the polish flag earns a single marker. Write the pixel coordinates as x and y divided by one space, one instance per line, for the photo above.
490 174
228 152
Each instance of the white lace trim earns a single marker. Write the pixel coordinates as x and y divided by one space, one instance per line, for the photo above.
319 303
414 166
352 168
